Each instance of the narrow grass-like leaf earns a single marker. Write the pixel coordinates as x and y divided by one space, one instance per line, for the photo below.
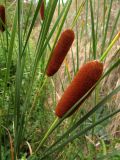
68 70
104 14
18 79
37 59
73 61
78 13
112 67
10 141
114 26
54 28
93 31
86 28
27 20
106 27
10 49
77 40
80 133
32 24
97 23
92 111
105 54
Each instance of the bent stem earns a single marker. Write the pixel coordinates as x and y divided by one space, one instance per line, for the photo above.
109 47
48 133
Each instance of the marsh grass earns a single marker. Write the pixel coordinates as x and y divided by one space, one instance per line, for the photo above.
28 97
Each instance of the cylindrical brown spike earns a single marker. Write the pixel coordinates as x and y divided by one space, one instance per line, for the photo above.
60 51
42 8
84 80
2 16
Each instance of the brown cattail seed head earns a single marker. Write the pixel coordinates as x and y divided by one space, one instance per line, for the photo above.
2 16
42 8
60 51
84 80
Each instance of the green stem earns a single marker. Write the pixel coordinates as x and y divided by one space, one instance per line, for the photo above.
109 47
78 14
35 99
103 147
47 133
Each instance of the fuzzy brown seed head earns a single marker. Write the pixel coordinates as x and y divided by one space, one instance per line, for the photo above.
42 10
84 80
2 16
60 51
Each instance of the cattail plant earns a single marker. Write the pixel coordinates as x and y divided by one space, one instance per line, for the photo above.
60 51
42 8
79 89
2 16
24 102
85 79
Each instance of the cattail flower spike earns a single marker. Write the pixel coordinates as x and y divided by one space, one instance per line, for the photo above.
2 18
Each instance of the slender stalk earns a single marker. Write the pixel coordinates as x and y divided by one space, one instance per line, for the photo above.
78 14
106 27
73 61
104 13
114 26
36 96
93 31
18 81
86 29
47 133
97 25
67 70
109 47
77 40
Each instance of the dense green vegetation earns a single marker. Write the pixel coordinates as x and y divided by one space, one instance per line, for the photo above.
28 97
